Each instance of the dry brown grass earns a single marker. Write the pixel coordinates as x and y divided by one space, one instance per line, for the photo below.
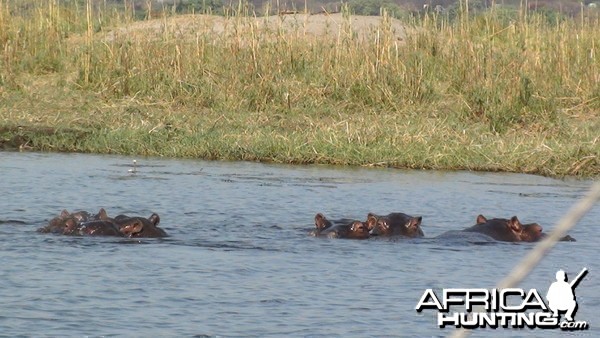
482 94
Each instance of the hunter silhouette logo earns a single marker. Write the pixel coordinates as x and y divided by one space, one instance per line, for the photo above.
561 295
510 307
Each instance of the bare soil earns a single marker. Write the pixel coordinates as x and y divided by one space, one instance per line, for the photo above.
318 25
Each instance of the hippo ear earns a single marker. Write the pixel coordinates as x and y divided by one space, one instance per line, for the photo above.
154 219
371 221
319 219
414 222
515 225
64 213
102 215
130 228
481 219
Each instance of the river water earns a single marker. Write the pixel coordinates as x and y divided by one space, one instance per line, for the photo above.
239 262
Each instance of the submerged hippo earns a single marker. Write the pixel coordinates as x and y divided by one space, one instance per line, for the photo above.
344 228
510 230
507 230
82 223
58 224
140 226
395 224
67 222
322 223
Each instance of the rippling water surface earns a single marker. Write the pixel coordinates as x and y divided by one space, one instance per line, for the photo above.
239 262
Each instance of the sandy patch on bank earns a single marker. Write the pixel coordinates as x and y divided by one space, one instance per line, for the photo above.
317 25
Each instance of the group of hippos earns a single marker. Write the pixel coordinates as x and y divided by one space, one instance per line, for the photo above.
82 223
403 225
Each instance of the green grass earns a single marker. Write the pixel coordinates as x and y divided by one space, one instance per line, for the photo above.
479 92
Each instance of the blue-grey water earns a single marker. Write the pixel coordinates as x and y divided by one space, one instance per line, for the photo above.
239 262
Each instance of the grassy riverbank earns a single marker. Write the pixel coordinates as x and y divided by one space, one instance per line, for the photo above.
500 91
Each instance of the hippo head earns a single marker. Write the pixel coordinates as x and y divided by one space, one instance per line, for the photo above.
62 224
321 222
358 230
509 230
398 224
531 232
139 226
147 227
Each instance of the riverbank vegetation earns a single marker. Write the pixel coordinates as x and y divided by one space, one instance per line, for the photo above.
502 90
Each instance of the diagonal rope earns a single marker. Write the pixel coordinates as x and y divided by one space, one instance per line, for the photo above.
532 259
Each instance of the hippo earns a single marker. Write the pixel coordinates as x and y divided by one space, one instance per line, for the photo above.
343 228
395 224
322 223
67 222
354 230
57 224
82 223
140 226
149 228
510 230
64 223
